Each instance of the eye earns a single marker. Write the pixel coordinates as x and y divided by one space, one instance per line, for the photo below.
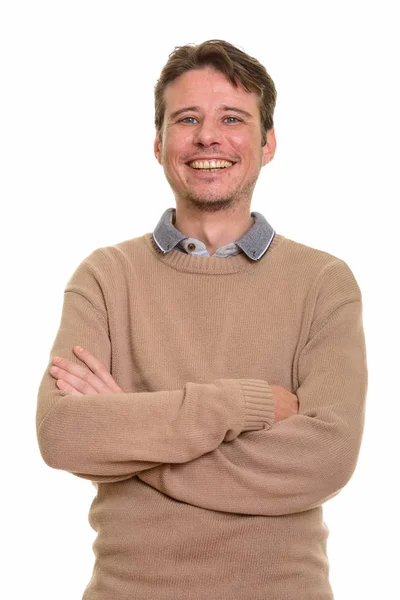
188 120
232 120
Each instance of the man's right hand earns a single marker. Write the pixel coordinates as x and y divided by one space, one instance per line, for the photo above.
286 403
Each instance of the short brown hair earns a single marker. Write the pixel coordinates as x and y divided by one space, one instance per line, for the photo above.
229 60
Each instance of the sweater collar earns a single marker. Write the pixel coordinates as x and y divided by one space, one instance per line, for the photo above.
255 242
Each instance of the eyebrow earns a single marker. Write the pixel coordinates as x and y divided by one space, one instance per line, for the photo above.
183 110
238 110
197 109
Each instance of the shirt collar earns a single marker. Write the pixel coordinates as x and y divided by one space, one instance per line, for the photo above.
255 242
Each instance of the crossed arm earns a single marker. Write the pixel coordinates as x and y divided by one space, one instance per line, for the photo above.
104 434
281 470
243 460
93 429
300 462
94 378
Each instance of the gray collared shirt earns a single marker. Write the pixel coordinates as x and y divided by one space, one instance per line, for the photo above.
255 242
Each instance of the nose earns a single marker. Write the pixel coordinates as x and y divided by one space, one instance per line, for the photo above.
208 133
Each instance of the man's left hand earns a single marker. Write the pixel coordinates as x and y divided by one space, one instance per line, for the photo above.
78 380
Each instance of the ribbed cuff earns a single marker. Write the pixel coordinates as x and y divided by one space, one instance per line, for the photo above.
258 404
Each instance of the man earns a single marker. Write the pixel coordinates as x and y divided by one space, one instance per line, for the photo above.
218 400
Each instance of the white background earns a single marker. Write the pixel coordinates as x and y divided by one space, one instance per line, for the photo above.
78 172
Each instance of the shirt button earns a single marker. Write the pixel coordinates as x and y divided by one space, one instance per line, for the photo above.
191 247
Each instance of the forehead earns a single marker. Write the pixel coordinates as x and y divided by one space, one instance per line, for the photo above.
207 89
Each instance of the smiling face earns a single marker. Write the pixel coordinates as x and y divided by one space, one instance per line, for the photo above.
208 119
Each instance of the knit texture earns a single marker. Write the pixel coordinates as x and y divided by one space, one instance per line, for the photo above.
200 494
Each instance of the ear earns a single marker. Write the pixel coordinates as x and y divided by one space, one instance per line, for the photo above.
157 147
270 147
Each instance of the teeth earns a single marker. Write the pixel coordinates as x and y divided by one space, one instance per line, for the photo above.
212 164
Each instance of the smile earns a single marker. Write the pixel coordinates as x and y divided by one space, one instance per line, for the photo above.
210 166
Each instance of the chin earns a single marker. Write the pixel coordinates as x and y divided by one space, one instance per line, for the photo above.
210 203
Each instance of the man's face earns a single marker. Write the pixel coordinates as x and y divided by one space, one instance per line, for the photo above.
208 119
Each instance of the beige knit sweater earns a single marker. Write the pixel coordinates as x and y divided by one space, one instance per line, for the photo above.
200 495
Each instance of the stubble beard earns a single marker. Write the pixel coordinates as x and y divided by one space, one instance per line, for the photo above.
229 202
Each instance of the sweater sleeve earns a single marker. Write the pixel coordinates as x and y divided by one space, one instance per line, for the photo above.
110 437
302 461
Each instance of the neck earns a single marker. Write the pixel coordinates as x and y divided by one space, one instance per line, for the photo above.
214 229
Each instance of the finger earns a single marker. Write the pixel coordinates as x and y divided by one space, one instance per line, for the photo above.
80 372
68 389
98 368
78 384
